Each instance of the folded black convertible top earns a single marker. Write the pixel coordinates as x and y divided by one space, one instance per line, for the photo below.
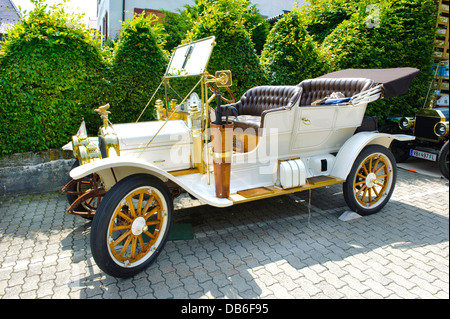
395 81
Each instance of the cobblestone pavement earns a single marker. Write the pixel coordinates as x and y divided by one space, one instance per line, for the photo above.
274 248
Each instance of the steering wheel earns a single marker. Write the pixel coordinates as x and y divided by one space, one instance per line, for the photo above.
215 91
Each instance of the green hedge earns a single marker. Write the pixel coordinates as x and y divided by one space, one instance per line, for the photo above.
176 26
391 34
242 12
256 25
51 73
137 68
321 17
234 50
290 54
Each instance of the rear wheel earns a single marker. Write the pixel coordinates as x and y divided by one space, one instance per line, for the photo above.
131 225
371 180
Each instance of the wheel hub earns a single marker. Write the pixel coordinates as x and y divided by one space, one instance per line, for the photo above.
139 226
370 180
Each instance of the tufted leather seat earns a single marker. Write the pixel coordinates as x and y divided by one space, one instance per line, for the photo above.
315 89
260 100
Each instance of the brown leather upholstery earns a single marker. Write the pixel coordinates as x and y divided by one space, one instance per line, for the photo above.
260 100
246 121
315 89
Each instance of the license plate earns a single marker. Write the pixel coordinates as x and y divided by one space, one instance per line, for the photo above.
423 155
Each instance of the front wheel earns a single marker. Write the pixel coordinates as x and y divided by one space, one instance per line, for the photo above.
371 180
131 225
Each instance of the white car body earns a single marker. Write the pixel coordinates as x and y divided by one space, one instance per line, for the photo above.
172 148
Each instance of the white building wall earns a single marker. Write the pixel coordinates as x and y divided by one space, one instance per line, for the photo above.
268 8
115 9
168 5
271 8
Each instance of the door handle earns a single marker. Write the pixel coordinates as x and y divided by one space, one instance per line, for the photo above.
306 121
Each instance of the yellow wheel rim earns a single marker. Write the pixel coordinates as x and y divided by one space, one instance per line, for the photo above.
372 180
137 226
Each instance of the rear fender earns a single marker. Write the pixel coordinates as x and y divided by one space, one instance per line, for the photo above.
354 145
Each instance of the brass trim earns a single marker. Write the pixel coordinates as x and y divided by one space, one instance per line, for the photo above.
223 78
219 155
306 121
184 172
446 129
410 120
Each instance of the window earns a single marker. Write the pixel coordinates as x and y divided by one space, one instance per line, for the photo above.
157 13
104 28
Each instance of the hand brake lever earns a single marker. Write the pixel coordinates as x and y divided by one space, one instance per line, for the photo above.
233 111
219 112
218 120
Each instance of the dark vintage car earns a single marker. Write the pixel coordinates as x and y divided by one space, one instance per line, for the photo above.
431 129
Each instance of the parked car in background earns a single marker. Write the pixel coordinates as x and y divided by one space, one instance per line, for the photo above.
430 127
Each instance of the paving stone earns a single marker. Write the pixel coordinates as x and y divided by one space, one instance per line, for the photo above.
269 249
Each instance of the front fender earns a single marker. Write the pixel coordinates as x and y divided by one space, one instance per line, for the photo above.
113 169
354 145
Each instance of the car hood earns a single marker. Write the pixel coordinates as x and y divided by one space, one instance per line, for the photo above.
138 135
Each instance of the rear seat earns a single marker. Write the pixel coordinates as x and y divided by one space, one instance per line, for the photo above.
316 89
260 100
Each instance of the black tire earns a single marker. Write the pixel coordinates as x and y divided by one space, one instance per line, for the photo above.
118 233
443 160
371 181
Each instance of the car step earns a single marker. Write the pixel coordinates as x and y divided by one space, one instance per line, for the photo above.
271 191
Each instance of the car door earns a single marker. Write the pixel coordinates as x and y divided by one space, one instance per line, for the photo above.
312 127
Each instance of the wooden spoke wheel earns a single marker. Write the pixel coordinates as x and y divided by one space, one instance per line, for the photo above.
371 181
77 188
85 185
131 225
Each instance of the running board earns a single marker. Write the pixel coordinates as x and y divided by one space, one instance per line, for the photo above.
249 195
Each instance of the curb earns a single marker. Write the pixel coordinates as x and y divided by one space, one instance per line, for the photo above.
34 172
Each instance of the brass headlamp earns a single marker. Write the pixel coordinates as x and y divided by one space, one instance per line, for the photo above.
441 129
195 117
161 112
406 123
84 150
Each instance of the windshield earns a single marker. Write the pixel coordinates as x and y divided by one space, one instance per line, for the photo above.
190 59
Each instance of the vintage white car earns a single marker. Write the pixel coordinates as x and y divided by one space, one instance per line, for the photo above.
275 140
